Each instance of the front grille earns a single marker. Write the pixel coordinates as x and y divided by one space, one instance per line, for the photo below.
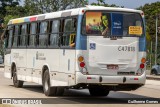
126 73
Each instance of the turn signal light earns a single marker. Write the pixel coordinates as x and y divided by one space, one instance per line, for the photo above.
143 60
80 59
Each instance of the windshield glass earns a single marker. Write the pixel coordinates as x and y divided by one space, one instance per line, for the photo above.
112 24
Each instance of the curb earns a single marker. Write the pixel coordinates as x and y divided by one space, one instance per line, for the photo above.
151 77
1 66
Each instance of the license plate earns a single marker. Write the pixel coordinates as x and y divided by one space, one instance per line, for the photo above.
114 67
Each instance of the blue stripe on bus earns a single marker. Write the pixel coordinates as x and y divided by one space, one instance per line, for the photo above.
142 44
81 40
142 40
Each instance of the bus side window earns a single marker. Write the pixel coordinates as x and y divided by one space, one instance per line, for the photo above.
9 34
5 37
23 34
32 34
69 32
43 34
54 33
73 34
15 37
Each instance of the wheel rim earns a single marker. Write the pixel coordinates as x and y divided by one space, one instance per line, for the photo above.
46 85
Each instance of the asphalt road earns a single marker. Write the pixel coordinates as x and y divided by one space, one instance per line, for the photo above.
78 97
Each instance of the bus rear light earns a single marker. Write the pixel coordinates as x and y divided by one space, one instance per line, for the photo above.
143 60
82 64
141 66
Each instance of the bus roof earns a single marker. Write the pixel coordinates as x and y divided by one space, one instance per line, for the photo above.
69 12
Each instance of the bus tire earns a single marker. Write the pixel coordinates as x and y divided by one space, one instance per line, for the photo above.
48 90
17 83
98 91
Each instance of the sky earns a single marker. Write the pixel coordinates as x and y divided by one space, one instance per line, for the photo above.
128 3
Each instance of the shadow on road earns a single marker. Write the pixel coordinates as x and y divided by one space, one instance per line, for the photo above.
72 96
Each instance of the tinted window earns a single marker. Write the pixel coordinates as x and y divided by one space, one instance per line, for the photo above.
22 37
10 36
32 36
69 31
55 25
15 38
112 24
43 34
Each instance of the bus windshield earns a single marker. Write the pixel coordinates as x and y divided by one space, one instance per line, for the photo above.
112 24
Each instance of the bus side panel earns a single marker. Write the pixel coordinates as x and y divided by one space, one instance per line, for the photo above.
67 64
61 71
19 55
7 66
30 64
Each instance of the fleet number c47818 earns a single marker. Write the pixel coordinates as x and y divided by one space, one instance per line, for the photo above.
126 48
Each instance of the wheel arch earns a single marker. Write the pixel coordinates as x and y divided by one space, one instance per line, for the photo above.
12 66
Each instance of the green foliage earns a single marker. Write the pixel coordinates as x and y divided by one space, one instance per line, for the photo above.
44 6
151 11
4 3
102 3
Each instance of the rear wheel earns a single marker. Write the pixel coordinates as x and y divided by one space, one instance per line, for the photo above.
98 91
17 83
48 90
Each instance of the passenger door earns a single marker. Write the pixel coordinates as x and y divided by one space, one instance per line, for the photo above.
67 51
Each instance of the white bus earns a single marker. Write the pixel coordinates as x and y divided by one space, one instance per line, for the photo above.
94 47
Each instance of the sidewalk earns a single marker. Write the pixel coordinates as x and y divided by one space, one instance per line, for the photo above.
153 77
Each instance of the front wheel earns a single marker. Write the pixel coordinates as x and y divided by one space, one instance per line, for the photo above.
17 83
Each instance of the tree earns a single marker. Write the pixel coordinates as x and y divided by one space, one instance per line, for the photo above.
44 6
8 9
4 3
103 3
151 11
